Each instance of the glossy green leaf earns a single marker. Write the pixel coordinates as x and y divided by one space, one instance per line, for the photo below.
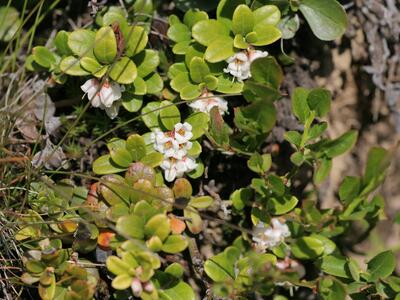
150 114
136 147
147 62
267 70
267 14
324 166
121 157
300 106
43 56
327 19
81 42
71 66
307 248
90 64
131 102
259 163
279 205
219 49
131 225
221 267
319 100
198 70
123 71
242 20
104 165
169 115
154 83
179 33
153 159
342 144
336 266
207 31
117 266
174 244
122 282
158 225
381 265
135 40
199 122
266 34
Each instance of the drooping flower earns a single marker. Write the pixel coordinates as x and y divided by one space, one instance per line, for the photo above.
272 236
205 105
174 145
239 64
105 96
183 132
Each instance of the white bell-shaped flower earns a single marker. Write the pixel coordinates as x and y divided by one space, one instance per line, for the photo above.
267 238
239 64
205 105
104 96
183 132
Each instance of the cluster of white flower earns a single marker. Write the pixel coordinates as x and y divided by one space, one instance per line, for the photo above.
105 97
205 105
175 145
239 64
270 237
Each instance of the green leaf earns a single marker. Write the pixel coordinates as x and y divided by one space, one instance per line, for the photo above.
181 48
226 9
121 157
131 225
198 172
105 45
336 266
131 102
276 184
117 266
259 115
207 31
349 189
319 100
191 91
179 33
241 197
199 122
227 86
307 248
259 163
174 244
240 42
317 130
43 56
175 269
221 267
198 70
135 40
242 20
71 66
219 49
136 146
159 226
122 282
300 106
293 137
267 14
267 70
327 19
114 189
201 202
179 291
147 62
153 159
281 205
169 115
378 162
154 83
192 16
341 145
382 265
123 71
266 34
81 42
104 165
150 114
90 64
324 166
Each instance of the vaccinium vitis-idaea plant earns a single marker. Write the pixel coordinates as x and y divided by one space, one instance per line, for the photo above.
147 208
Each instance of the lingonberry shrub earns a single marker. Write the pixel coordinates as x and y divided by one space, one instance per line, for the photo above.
212 89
